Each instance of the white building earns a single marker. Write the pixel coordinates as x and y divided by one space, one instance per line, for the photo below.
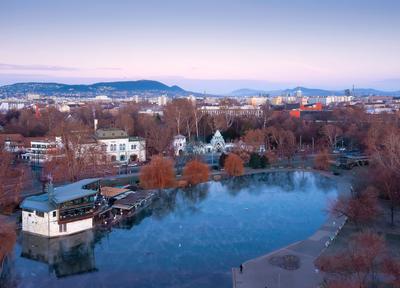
257 101
61 211
135 99
244 110
120 147
192 99
162 100
299 93
13 143
11 105
217 142
64 108
179 145
41 150
330 99
32 96
216 145
102 98
152 112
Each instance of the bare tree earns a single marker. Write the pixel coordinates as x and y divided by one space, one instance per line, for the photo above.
331 133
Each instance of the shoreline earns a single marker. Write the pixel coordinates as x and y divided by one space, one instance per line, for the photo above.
259 272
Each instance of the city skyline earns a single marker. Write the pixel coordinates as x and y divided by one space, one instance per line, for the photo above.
217 47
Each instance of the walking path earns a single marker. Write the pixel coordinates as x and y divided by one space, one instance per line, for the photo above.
264 272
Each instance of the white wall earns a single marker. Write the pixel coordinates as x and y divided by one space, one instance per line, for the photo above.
35 224
48 225
139 149
179 143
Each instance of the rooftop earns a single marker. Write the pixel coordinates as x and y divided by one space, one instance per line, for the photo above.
60 195
110 133
128 200
39 203
112 191
136 138
74 190
179 136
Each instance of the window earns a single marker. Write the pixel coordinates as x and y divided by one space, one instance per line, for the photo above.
54 214
62 227
39 214
113 147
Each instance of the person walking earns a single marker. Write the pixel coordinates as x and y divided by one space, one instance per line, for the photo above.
241 268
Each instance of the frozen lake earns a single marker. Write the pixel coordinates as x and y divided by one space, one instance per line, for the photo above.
189 238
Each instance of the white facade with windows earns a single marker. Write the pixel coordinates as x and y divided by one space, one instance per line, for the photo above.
46 224
11 105
120 147
179 145
40 150
61 211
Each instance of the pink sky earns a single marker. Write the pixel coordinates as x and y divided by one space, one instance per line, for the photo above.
331 44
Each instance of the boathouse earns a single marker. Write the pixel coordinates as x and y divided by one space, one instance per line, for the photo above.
61 211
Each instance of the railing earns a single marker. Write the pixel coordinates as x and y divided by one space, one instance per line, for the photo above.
68 219
77 206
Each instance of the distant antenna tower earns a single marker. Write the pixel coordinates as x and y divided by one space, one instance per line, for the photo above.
352 92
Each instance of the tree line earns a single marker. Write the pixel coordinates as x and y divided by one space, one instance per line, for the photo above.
260 141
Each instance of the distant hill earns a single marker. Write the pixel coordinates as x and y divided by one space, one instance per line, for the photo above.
112 89
155 88
312 92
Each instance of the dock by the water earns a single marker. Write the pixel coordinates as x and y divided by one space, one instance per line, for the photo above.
123 203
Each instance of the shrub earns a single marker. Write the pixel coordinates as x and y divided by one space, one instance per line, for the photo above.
234 165
158 174
321 161
195 172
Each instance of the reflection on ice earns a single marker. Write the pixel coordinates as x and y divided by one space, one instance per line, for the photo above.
73 254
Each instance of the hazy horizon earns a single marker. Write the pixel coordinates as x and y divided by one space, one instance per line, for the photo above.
218 86
212 46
